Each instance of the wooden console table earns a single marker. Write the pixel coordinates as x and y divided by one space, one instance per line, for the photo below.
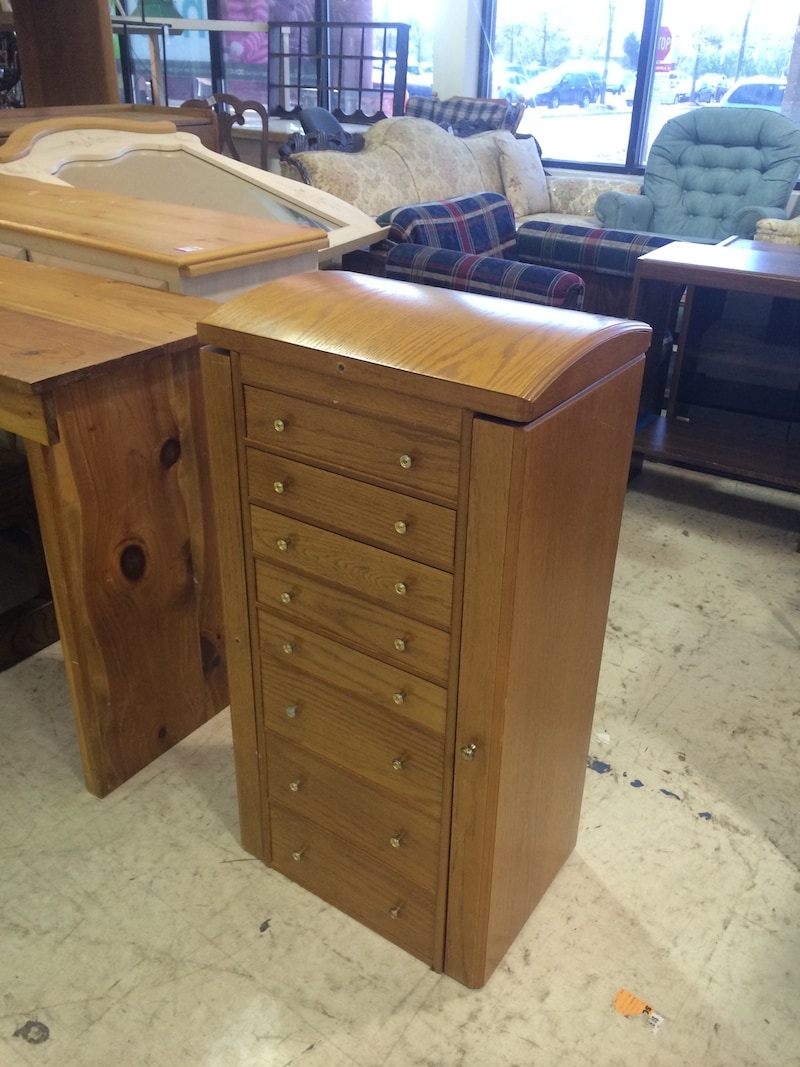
101 379
737 266
418 496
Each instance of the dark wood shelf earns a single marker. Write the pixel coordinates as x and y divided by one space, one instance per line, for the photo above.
717 450
718 439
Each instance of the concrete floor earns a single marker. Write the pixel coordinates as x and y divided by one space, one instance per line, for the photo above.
135 932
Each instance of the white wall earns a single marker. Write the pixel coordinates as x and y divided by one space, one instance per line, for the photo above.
455 48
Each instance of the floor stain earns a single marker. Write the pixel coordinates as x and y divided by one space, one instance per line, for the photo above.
34 1032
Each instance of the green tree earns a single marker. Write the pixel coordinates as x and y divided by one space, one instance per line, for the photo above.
630 49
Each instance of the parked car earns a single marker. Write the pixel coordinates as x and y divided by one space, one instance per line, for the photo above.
513 88
710 87
758 91
419 79
617 79
672 88
557 87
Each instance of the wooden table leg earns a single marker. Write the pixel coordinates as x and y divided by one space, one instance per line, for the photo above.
124 507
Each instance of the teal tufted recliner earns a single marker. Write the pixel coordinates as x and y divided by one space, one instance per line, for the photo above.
711 173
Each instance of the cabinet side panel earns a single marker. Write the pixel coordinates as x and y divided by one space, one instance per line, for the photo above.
567 488
576 466
221 422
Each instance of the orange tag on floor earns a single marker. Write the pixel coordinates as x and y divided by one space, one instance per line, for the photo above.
628 1004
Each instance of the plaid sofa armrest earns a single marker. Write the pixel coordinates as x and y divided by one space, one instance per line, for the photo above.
422 107
585 248
481 224
466 115
485 275
495 115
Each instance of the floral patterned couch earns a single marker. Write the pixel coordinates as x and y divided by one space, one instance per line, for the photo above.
409 160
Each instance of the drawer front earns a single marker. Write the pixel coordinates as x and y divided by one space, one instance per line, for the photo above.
353 882
400 584
342 390
356 677
409 459
407 643
402 524
382 749
396 835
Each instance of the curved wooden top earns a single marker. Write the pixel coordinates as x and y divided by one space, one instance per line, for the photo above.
21 141
504 358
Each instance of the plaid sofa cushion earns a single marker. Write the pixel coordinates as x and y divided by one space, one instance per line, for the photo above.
463 113
479 224
485 275
584 248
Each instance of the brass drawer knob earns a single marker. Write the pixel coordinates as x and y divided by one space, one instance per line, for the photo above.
287 597
399 644
279 425
405 462
396 841
282 543
468 752
288 647
399 697
295 786
400 526
400 588
298 854
279 487
397 764
395 911
291 711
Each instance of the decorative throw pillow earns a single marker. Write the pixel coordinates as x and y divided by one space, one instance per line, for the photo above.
524 179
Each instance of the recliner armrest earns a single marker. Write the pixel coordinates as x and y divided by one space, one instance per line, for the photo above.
485 275
624 211
746 219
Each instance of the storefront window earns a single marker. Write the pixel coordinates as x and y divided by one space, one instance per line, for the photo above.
577 67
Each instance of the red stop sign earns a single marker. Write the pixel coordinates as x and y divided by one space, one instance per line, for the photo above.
664 43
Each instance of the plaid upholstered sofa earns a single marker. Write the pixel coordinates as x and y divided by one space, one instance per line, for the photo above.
469 243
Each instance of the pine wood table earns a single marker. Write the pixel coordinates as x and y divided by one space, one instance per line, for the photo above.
101 380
